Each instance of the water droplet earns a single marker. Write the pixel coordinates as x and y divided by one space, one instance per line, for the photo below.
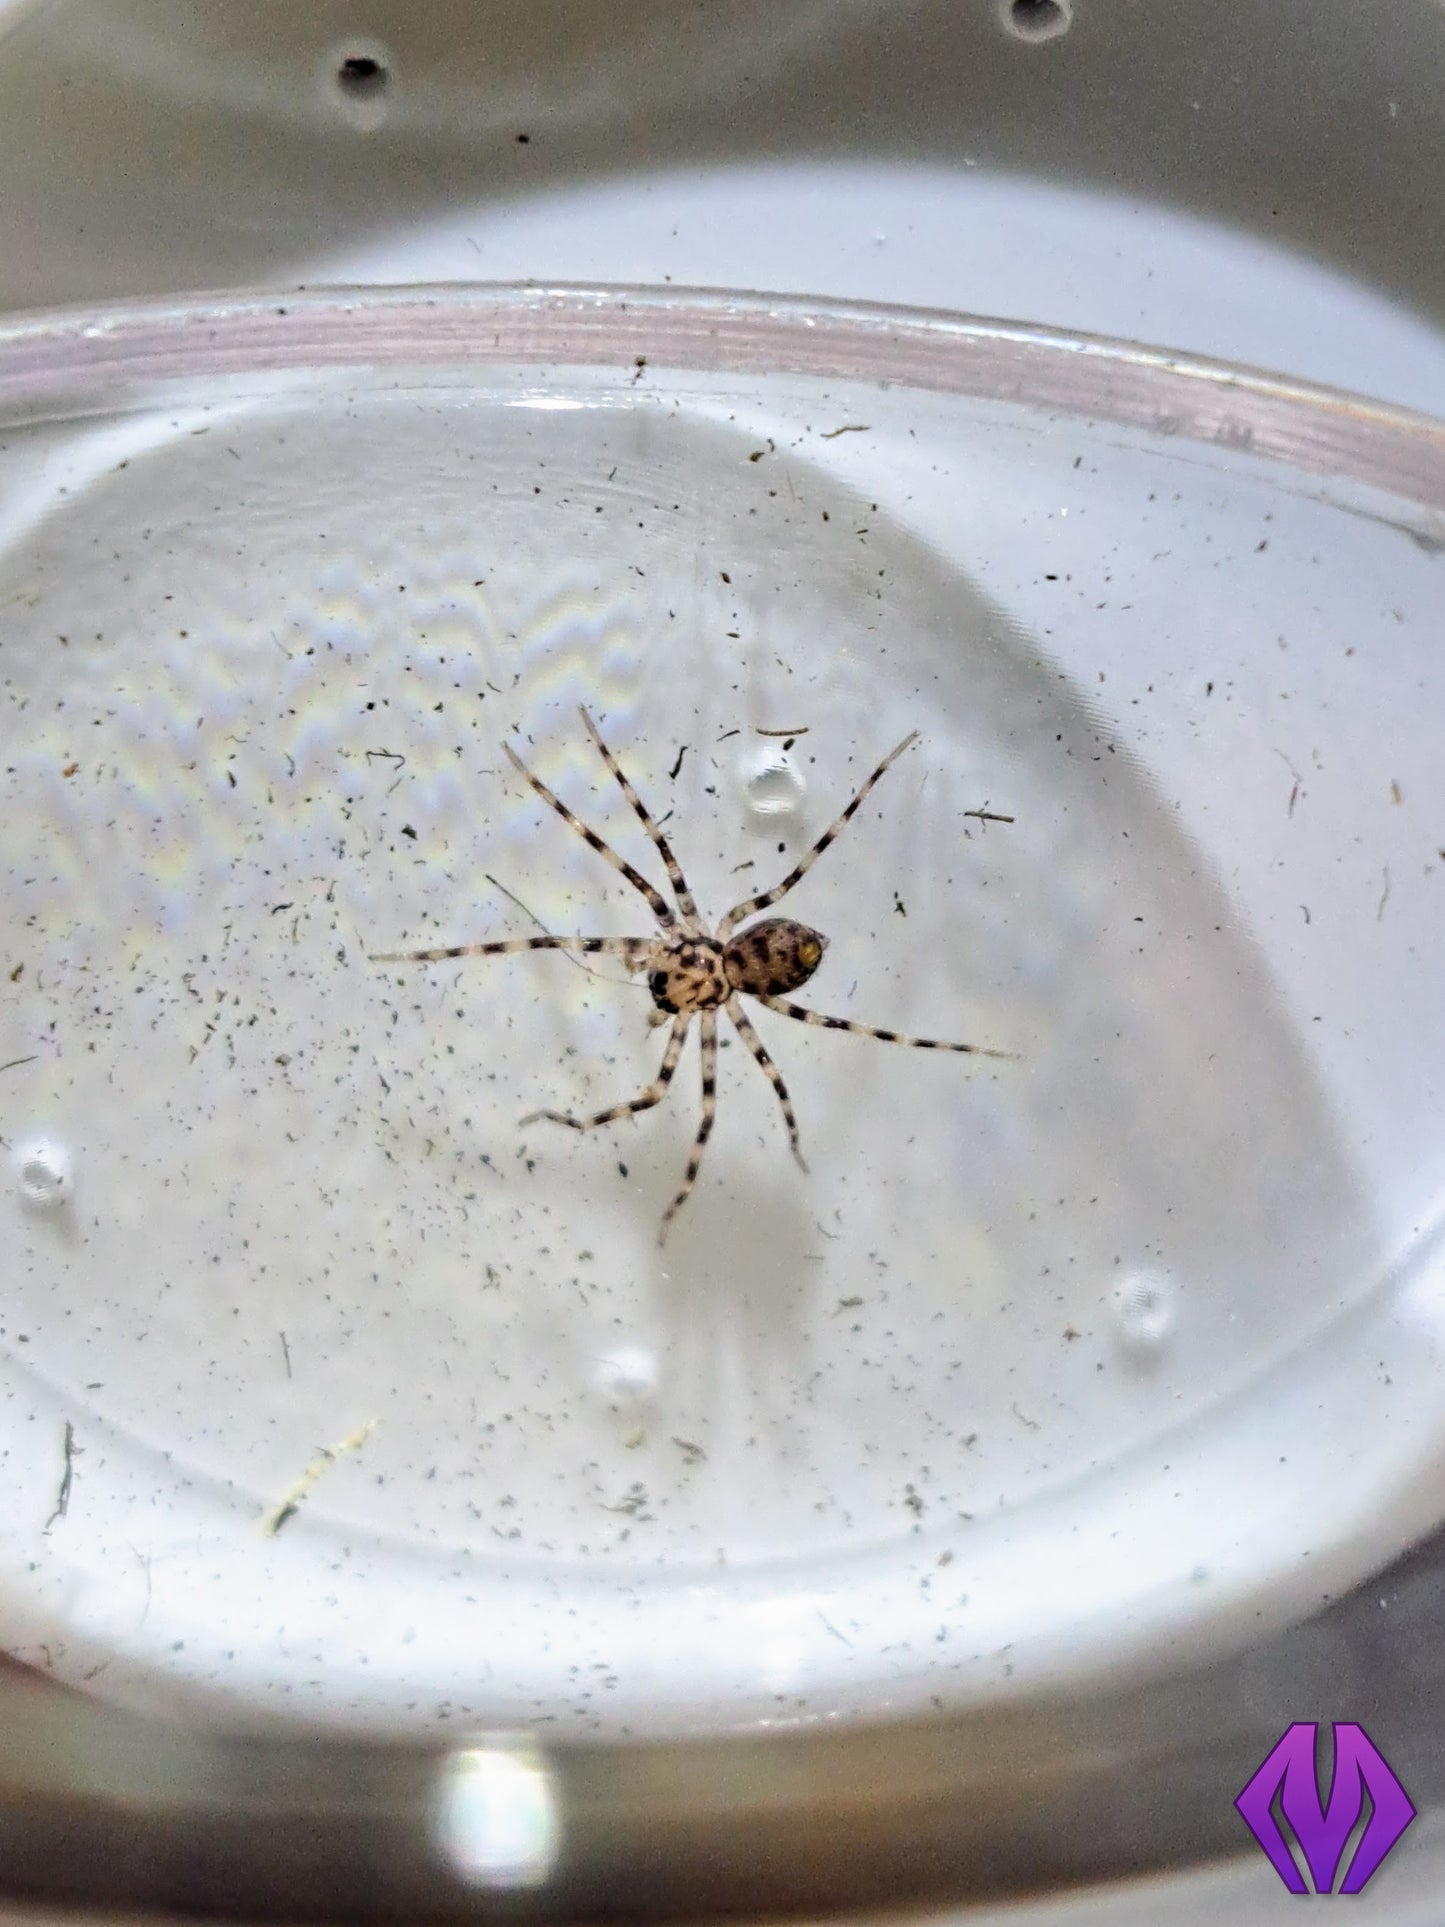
1145 1307
45 1172
773 787
627 1378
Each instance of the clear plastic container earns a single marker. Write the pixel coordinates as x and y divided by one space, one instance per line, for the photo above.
331 1391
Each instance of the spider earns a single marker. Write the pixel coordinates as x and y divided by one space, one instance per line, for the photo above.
695 972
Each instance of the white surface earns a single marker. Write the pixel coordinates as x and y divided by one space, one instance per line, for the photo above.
1094 1316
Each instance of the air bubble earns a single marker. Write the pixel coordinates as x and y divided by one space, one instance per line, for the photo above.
45 1172
1145 1305
774 787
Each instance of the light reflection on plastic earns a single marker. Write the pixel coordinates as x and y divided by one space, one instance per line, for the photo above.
497 1819
785 1634
550 404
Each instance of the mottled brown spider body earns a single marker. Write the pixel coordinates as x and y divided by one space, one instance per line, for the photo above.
773 956
688 973
693 972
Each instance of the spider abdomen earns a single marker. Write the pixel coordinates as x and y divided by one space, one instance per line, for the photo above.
687 974
773 956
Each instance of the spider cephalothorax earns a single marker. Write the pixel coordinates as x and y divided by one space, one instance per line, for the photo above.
695 972
687 973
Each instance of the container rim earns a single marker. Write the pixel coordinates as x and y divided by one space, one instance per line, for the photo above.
59 355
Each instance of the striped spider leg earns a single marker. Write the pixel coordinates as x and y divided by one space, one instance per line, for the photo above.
693 971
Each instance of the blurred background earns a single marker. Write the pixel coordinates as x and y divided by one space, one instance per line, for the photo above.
1252 182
